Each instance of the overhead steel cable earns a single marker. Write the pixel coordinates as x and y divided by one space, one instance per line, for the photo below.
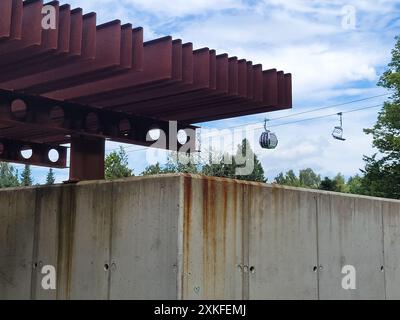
284 124
314 110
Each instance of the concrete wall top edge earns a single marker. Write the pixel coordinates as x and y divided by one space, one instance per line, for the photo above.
202 177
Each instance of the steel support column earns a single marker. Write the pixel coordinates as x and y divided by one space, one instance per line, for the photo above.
87 159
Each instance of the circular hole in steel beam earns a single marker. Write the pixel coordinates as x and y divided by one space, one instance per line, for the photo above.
154 134
92 122
19 108
56 115
26 153
124 127
182 136
54 155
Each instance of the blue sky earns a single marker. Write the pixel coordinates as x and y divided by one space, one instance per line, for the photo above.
330 65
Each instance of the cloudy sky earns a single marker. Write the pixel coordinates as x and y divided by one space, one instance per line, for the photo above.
335 50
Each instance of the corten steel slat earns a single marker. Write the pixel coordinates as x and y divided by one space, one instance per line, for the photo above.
126 46
138 49
5 18
250 80
11 151
270 87
89 36
233 86
242 78
64 29
288 92
76 32
281 89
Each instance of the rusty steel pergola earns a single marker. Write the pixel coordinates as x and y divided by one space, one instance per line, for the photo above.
82 84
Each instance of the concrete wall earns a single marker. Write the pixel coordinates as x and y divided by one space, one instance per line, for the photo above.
190 237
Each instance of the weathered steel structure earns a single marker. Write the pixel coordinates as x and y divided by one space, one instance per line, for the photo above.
80 83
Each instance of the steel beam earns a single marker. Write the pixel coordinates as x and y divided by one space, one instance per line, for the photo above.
38 154
87 159
70 119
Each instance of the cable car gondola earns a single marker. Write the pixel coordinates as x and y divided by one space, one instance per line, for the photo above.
268 139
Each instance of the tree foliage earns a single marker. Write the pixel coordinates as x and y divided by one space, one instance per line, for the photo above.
50 178
245 165
382 171
217 165
307 179
26 176
116 165
8 176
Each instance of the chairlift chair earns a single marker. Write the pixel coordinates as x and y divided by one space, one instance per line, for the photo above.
338 130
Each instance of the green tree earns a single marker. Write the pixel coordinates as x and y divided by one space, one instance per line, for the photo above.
309 179
382 172
355 185
244 166
153 169
245 152
26 176
116 165
288 179
8 176
340 183
50 179
181 163
219 165
328 184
